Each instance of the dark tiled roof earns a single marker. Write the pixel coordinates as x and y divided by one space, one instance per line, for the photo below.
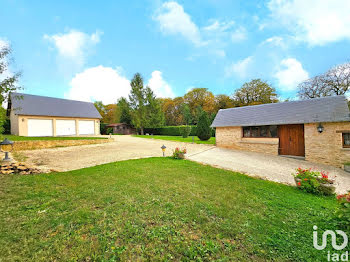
326 109
24 104
117 124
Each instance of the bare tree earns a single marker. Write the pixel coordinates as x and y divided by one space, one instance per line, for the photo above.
336 81
313 87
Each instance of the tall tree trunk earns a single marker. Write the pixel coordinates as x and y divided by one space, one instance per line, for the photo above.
142 131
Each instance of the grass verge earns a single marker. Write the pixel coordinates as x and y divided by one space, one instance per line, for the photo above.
157 209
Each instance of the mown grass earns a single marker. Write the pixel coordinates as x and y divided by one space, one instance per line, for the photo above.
157 209
180 139
26 138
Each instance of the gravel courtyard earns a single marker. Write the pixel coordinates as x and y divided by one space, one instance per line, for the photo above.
273 168
123 148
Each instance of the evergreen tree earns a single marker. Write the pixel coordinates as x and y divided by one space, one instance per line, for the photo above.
137 102
124 111
154 113
203 127
145 108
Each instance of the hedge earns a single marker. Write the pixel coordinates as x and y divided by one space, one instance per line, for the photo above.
171 131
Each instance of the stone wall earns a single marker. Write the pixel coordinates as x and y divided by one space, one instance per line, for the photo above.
40 144
232 137
326 147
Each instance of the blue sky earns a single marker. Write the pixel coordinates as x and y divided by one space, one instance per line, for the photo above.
89 50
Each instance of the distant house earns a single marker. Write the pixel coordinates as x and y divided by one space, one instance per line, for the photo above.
122 128
317 130
32 115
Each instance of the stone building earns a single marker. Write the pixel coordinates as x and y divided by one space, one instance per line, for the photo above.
317 130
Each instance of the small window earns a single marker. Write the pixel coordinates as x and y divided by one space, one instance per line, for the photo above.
260 131
346 140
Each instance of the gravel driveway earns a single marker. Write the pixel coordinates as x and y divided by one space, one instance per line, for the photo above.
123 148
273 168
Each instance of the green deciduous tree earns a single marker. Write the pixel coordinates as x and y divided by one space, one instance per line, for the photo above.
223 102
186 113
203 127
255 92
199 97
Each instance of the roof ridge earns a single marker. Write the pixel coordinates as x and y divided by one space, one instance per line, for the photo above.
58 98
285 102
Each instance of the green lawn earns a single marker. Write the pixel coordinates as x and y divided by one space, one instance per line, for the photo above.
181 139
157 209
25 138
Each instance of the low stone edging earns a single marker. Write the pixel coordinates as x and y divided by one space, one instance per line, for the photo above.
40 144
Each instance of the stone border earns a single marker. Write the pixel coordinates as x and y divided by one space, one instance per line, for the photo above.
41 144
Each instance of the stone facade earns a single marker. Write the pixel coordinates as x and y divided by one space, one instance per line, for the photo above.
232 137
40 144
326 147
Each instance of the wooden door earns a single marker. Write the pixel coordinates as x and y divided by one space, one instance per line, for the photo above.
291 140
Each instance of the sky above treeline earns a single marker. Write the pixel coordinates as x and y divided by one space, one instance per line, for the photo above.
90 50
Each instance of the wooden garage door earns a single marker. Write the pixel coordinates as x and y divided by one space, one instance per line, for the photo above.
291 140
40 127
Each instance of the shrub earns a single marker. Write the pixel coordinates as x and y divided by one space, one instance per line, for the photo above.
314 182
103 128
343 211
185 131
109 130
179 154
203 127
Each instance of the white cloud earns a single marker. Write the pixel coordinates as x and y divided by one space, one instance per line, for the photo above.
239 68
290 73
99 84
107 84
317 22
218 26
275 41
160 87
175 21
239 34
74 45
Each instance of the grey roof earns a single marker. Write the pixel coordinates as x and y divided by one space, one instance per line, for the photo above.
326 109
24 104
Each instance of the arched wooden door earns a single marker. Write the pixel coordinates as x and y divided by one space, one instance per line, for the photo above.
292 141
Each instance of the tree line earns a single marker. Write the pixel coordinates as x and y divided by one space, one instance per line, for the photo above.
143 109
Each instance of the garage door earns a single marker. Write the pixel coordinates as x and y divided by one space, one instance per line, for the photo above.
65 127
40 127
86 127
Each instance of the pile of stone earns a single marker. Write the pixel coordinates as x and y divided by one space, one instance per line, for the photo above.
18 168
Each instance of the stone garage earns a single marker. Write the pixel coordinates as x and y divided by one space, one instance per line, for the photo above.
32 115
317 130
